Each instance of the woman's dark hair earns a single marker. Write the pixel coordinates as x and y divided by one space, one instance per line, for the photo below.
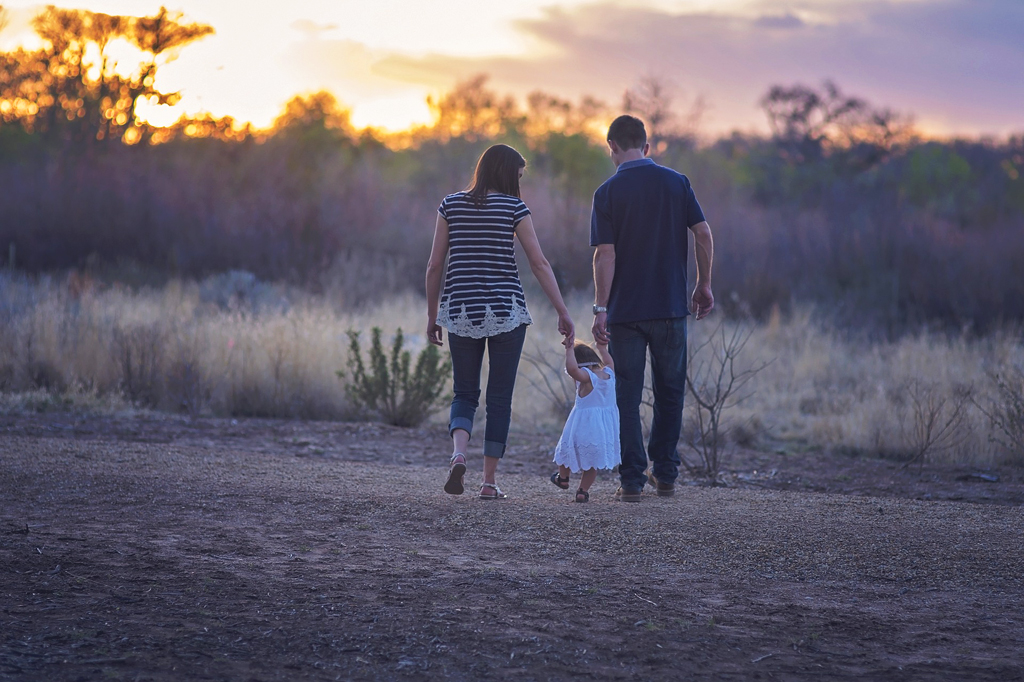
498 171
585 354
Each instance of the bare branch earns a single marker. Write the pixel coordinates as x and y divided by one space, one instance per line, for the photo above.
714 383
553 383
938 420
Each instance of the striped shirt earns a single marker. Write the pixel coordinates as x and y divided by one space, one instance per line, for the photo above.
482 293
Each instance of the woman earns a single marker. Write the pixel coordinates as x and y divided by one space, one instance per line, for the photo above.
482 304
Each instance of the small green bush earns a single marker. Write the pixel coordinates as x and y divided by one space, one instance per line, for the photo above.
387 387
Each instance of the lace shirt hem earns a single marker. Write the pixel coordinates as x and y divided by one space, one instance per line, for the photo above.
491 325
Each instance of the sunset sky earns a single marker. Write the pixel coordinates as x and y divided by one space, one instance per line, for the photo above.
956 65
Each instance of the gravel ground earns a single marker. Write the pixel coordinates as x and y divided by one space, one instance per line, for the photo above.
279 551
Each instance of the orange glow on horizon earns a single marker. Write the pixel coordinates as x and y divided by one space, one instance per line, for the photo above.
382 60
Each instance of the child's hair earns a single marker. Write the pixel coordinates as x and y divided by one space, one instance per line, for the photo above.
585 355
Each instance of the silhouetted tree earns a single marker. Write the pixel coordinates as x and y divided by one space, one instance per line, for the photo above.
72 88
473 112
551 114
807 124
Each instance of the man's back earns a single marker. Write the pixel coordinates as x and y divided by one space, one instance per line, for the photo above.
644 210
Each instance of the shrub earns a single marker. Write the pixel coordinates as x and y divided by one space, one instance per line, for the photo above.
1006 412
937 419
716 385
388 388
551 381
188 385
138 352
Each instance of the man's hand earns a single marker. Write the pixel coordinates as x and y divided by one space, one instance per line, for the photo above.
703 301
434 332
600 328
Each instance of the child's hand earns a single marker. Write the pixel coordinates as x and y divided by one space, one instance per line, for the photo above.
606 357
567 342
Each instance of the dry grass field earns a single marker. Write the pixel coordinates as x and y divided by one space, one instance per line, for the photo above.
232 346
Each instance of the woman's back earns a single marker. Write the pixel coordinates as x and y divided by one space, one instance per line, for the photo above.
482 295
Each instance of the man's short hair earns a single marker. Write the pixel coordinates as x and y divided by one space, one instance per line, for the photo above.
627 132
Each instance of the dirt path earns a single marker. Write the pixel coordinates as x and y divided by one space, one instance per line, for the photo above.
218 553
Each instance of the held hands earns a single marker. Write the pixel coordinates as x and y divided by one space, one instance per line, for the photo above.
600 329
703 301
566 328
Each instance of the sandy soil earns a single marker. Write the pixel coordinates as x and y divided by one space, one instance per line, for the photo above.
164 549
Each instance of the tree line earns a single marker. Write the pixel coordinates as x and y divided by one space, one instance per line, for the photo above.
843 205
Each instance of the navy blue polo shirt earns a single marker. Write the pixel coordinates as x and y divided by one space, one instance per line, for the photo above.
644 210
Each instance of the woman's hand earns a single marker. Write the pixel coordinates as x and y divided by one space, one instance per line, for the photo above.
566 328
434 333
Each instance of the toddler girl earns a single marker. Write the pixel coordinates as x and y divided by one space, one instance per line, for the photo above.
590 439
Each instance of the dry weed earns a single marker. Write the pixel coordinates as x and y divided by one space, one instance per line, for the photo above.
183 350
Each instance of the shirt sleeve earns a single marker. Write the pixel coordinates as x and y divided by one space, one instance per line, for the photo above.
522 210
601 231
694 214
443 208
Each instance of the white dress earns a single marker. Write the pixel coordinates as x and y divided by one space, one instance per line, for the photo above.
590 439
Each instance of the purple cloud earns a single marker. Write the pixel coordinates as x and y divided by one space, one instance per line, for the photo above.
956 65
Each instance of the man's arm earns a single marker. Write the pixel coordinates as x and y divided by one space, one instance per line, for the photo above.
604 272
703 300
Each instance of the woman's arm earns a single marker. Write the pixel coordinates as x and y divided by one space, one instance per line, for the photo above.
435 267
574 370
545 276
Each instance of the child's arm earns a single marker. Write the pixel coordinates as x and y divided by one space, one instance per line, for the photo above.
572 368
606 357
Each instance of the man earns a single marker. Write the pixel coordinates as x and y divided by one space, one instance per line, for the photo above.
638 227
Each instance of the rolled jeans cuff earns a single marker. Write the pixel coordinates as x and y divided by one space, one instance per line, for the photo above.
494 449
461 423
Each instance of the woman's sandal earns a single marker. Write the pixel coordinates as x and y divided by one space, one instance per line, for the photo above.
456 471
496 493
584 494
562 483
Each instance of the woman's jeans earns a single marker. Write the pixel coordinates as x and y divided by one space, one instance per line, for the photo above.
503 353
630 342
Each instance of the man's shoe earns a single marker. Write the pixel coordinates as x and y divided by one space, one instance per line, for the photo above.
663 489
629 494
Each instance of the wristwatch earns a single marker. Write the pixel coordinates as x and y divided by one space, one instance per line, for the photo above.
599 309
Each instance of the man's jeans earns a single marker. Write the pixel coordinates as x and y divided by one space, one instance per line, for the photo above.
666 340
503 353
